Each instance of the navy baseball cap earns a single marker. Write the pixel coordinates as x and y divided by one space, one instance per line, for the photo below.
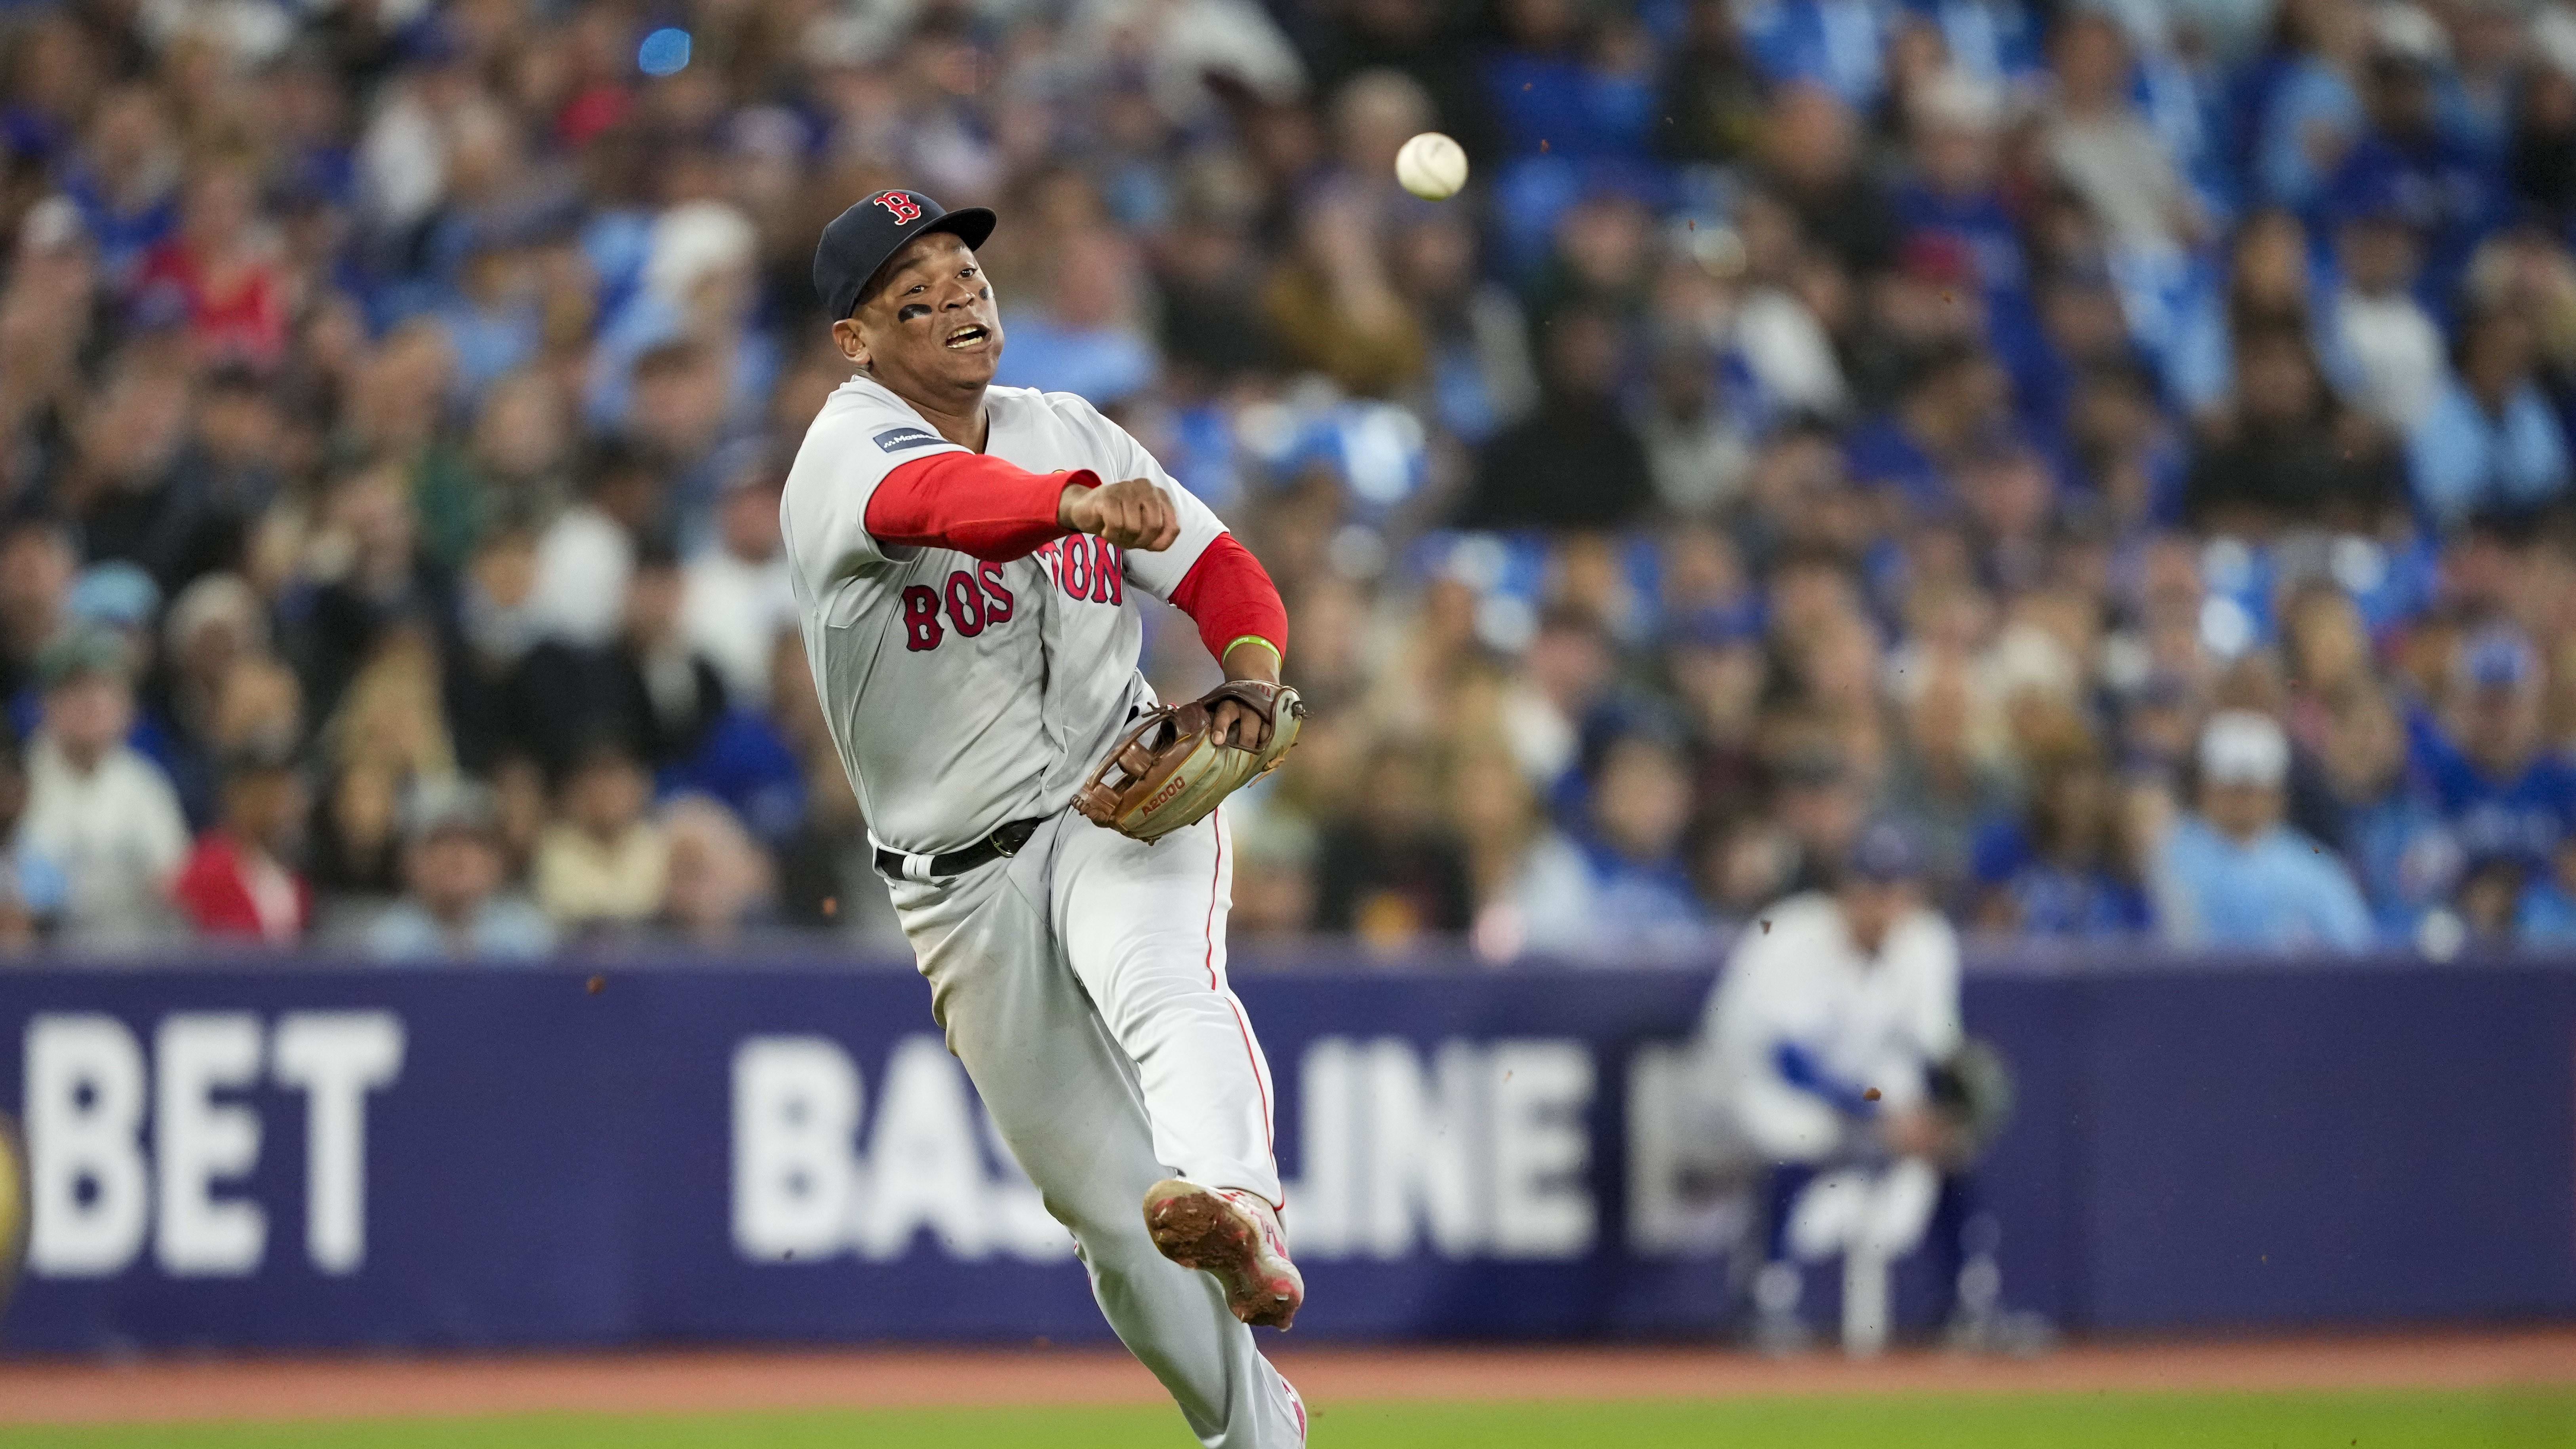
866 237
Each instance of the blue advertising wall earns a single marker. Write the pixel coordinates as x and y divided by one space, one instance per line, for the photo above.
323 1157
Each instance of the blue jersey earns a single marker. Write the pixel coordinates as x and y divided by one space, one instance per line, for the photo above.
2404 858
2444 191
2522 817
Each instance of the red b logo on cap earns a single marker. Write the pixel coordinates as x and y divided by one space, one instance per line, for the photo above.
905 209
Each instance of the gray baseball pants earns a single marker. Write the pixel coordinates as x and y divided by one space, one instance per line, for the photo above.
1082 982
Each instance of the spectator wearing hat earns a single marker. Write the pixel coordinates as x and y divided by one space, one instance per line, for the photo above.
2498 787
2233 875
2452 193
237 882
99 813
453 908
217 684
697 278
116 601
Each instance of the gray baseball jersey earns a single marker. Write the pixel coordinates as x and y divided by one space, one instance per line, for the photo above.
962 693
1083 980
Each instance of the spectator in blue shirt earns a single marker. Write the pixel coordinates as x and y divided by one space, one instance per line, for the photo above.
2490 440
456 910
2305 111
2234 875
2453 195
2501 792
1956 201
1641 893
125 179
2268 280
2393 835
2061 869
1952 409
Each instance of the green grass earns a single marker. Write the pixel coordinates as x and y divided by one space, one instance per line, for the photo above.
2533 1420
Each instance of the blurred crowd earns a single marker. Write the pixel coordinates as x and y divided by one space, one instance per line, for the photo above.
2124 442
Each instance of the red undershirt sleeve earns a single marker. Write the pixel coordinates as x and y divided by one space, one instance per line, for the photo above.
971 502
1228 594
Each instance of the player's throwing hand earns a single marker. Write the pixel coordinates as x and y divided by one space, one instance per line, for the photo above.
1134 514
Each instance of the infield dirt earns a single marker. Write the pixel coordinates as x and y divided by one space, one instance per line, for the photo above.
36 1391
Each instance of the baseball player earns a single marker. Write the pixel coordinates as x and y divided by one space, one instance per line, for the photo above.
963 558
1825 1038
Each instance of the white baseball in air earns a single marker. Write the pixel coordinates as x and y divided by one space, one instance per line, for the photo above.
1431 166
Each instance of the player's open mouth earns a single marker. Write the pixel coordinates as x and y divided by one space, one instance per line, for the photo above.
965 337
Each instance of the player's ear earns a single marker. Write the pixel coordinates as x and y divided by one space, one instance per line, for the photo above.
846 336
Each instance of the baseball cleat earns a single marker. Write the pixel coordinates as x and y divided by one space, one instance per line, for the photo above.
1233 1235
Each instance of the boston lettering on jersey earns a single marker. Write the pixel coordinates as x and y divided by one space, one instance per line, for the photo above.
1086 567
975 601
896 440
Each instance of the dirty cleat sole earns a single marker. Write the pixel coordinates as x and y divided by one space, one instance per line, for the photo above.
1197 1228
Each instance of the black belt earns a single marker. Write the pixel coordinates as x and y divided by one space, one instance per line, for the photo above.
1005 840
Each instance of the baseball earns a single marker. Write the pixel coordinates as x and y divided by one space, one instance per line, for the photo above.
1431 166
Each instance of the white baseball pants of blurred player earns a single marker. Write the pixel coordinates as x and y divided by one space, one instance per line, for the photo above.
1082 982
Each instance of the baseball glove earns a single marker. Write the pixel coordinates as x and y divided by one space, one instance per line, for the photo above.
1973 1091
1170 771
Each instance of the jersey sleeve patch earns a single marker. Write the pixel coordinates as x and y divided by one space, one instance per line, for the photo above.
897 440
